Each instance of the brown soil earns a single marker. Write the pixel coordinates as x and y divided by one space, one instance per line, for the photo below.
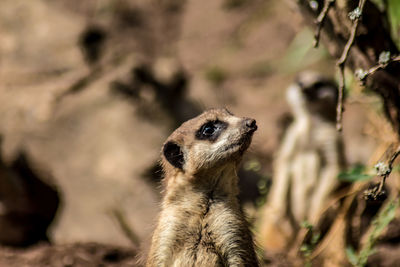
77 255
61 62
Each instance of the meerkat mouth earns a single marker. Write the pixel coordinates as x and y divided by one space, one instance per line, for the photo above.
246 142
243 143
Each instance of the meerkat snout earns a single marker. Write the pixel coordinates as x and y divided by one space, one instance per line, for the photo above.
251 125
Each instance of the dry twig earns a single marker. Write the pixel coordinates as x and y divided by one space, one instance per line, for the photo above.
363 75
342 61
384 168
125 227
320 20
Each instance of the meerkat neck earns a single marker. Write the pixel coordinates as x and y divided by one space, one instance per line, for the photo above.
222 183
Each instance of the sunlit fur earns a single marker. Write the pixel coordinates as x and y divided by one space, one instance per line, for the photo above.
201 222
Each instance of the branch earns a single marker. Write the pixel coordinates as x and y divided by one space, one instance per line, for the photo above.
384 167
320 20
354 15
125 227
339 107
362 75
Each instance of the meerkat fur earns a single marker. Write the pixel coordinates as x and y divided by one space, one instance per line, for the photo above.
201 222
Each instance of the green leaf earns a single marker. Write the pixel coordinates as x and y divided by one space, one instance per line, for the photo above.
216 75
304 248
385 217
301 53
355 174
351 256
306 225
393 10
381 221
315 238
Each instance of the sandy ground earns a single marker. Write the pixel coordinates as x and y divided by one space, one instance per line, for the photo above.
97 144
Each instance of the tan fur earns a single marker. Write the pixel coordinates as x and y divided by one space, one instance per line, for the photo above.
307 164
201 222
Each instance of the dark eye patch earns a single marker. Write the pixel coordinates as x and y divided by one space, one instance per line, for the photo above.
317 90
211 130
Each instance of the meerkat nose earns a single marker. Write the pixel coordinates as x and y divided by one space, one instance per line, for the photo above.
251 124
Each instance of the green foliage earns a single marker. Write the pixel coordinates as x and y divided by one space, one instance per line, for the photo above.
252 165
263 188
307 225
308 248
392 8
348 82
356 174
393 11
385 216
216 75
352 256
301 52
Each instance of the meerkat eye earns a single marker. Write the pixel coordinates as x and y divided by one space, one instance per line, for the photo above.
208 129
211 130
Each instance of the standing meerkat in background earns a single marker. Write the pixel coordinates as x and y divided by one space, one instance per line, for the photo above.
201 222
307 164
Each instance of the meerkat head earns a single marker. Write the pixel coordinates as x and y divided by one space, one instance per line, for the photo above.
210 140
314 94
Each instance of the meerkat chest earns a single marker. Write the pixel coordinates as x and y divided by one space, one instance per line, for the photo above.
199 222
205 232
314 134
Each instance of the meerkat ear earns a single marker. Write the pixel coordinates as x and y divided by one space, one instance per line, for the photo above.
173 153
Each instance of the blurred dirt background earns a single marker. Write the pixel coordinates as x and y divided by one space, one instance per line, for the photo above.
89 90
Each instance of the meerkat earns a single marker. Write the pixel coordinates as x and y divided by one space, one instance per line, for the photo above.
307 164
201 222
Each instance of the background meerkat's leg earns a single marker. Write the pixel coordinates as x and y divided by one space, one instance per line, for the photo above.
310 171
328 177
281 177
275 230
327 183
298 194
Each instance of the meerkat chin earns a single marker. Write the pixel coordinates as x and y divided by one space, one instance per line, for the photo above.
201 222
